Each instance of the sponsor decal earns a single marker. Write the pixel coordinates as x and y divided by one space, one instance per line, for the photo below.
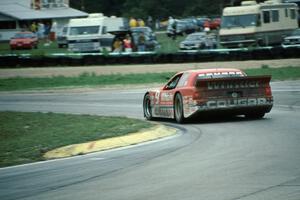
157 94
164 111
236 102
232 85
166 96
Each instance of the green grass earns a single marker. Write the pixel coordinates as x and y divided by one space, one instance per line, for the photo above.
86 79
168 45
25 137
279 74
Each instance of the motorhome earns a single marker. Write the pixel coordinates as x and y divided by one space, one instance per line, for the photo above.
91 34
253 24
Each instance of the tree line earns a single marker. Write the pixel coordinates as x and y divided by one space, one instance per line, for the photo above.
157 9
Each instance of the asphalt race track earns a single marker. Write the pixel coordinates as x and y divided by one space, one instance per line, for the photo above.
223 159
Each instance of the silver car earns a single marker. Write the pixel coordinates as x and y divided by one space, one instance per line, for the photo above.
199 40
293 39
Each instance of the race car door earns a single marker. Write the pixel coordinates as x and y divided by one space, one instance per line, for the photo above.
167 96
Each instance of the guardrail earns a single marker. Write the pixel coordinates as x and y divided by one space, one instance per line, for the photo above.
85 59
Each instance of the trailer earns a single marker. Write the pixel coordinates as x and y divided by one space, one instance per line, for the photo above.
91 34
253 24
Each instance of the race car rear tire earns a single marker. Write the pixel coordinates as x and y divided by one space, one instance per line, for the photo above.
178 109
255 115
147 107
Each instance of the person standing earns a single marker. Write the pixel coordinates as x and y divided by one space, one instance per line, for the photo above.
174 30
33 27
41 30
127 44
53 31
47 29
140 23
172 26
141 42
132 22
117 46
150 22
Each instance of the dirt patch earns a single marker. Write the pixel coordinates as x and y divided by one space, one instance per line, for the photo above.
151 68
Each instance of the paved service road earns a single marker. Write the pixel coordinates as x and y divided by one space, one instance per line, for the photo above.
225 159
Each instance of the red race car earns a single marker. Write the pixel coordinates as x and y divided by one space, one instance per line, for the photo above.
210 91
24 40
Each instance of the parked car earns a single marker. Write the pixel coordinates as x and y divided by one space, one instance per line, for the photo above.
150 37
191 25
24 40
151 43
201 21
212 23
146 30
181 27
293 39
62 38
198 41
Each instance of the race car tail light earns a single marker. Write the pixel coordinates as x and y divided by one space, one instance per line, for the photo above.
268 91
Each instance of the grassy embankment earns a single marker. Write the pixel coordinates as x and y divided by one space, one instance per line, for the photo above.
25 137
92 80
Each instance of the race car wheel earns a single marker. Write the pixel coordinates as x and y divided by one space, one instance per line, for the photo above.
178 108
255 115
147 107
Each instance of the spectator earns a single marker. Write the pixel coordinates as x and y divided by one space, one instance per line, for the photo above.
174 29
41 30
157 24
171 21
141 42
132 22
127 44
172 25
53 31
150 22
117 46
140 23
47 29
33 27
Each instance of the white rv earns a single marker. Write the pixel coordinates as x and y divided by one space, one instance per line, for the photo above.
91 34
253 24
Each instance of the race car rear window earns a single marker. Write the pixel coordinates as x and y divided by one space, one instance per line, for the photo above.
220 75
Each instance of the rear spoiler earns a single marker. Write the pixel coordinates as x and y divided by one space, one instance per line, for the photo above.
234 82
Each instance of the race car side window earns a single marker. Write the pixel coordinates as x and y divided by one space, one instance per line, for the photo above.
183 80
173 83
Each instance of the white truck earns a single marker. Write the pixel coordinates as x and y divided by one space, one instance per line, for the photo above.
253 24
91 34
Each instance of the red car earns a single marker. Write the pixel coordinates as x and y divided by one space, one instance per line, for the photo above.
24 40
213 23
210 91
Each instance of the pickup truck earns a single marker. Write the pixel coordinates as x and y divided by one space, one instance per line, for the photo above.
203 92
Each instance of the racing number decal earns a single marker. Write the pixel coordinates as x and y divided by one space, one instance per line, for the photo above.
166 96
157 94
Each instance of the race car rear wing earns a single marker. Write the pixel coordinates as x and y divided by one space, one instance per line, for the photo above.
243 82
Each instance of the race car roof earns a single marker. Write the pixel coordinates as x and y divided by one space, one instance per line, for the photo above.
213 70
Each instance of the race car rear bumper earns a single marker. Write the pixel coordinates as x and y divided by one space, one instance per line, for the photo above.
239 107
232 111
